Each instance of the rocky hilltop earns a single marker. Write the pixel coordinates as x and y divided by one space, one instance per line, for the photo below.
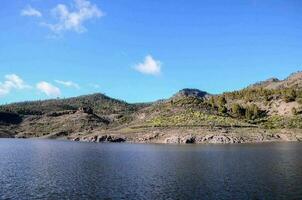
294 80
267 111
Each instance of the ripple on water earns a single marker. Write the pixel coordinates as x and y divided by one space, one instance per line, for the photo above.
46 169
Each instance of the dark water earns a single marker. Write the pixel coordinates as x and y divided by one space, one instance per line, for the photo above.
43 169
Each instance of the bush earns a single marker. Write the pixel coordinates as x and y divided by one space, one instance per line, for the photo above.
221 101
252 112
289 95
222 109
212 102
294 111
237 110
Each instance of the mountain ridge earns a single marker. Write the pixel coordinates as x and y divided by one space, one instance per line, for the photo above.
267 111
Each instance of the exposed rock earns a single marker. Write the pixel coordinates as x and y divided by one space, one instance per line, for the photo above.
115 139
189 139
173 140
299 138
191 93
6 134
294 80
101 138
86 110
220 139
181 140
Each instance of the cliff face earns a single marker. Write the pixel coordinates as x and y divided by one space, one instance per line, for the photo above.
267 111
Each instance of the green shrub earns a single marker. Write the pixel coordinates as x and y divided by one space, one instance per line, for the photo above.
252 112
299 100
221 101
294 111
212 102
289 95
237 110
222 109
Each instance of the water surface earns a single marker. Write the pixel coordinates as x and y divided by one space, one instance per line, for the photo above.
48 169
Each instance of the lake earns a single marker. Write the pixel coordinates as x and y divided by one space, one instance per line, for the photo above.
49 169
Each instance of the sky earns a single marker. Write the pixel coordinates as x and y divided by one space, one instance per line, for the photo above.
142 50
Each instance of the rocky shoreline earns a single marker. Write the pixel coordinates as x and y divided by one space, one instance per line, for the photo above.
235 136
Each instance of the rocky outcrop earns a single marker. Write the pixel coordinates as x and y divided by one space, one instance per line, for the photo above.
220 139
294 80
6 133
101 138
86 110
210 139
187 92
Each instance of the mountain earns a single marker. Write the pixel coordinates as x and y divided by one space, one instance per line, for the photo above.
293 81
187 92
100 103
267 111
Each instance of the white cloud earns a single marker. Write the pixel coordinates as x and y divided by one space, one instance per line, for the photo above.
73 20
68 84
149 66
12 81
32 12
48 89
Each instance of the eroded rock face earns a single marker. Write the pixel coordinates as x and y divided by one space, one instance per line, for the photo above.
115 139
220 139
211 139
199 138
188 92
180 140
173 140
101 138
189 139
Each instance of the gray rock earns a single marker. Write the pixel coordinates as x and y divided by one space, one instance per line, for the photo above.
220 139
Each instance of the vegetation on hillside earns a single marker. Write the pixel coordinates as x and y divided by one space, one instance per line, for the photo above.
100 103
260 106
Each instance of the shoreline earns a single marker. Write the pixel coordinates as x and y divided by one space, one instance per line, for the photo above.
193 136
171 135
157 143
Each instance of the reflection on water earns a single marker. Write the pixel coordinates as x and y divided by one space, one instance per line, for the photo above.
45 169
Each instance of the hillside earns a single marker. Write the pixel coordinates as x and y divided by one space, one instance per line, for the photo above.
100 103
267 111
293 81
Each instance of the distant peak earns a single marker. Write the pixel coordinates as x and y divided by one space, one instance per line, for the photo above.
188 92
274 79
293 80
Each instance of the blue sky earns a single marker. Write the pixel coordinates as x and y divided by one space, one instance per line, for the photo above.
141 50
